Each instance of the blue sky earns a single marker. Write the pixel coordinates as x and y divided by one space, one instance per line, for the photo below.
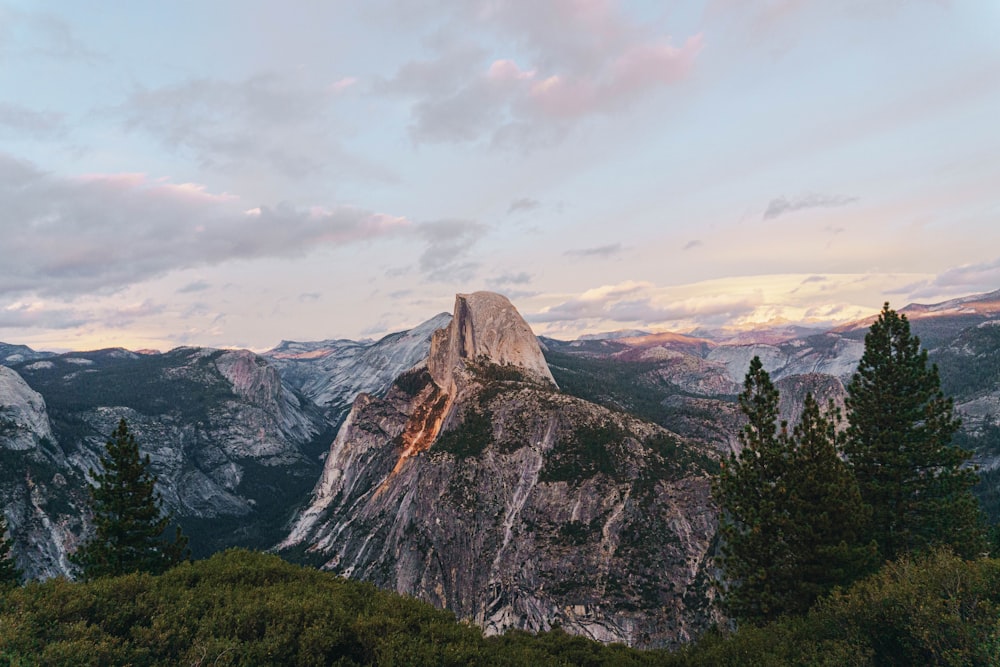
235 173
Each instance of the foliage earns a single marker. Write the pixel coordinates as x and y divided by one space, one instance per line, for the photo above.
899 445
754 555
627 386
411 382
792 513
826 517
470 438
128 516
9 574
970 362
173 382
585 452
937 609
243 608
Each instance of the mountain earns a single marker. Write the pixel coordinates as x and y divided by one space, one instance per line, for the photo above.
690 389
939 322
233 438
39 491
13 354
519 481
331 373
234 448
476 485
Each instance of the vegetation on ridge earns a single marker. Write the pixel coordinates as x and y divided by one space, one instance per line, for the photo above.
245 608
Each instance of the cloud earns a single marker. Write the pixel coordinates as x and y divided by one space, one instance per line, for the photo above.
783 205
586 58
265 121
39 33
36 124
123 317
522 278
603 251
523 204
690 245
343 84
20 315
633 302
196 286
448 243
40 315
964 279
104 232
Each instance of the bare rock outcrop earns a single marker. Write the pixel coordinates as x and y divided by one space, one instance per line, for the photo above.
23 418
475 485
485 327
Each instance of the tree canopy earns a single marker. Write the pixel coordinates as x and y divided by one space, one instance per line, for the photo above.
129 521
792 514
900 448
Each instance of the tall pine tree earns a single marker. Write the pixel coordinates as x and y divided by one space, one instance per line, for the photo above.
9 574
899 446
754 555
128 518
826 518
792 515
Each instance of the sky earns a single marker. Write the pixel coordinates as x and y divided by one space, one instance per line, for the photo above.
233 173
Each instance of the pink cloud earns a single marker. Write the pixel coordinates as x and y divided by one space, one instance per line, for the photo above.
342 84
639 69
574 58
506 70
132 181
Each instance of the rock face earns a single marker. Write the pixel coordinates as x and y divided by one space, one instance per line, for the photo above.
331 373
476 485
828 354
233 447
39 491
23 419
485 326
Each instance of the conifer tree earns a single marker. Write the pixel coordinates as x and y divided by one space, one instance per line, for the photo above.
899 447
792 516
754 555
9 574
128 518
826 518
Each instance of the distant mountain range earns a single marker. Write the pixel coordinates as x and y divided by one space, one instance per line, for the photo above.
521 482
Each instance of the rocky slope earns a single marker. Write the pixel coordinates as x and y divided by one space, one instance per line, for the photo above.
331 373
478 486
39 490
234 448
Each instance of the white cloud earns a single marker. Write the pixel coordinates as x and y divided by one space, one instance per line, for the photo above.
264 121
104 232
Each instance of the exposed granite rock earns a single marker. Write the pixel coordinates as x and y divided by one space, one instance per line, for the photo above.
24 421
331 373
477 486
485 326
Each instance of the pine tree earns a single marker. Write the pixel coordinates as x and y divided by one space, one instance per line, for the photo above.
128 518
899 447
9 574
754 555
792 516
826 518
